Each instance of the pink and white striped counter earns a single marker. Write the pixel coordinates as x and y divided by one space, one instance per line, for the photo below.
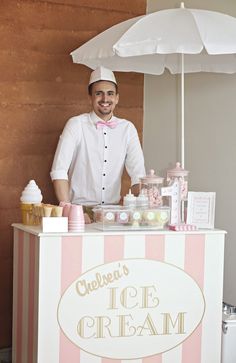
133 297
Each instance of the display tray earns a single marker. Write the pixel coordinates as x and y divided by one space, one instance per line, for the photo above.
118 218
103 227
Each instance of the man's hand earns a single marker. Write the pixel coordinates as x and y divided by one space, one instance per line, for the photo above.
135 190
87 219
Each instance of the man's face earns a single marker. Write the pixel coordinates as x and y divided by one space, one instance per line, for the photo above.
104 99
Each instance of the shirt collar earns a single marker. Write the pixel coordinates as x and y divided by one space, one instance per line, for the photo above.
94 118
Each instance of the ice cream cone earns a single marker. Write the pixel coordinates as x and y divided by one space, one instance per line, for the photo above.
57 211
37 213
30 196
27 215
47 210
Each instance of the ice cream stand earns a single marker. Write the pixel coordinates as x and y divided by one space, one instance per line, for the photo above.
117 297
114 291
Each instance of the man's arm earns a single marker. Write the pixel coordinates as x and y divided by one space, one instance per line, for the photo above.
62 161
134 162
61 188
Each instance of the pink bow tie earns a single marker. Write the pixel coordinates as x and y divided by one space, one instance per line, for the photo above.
111 124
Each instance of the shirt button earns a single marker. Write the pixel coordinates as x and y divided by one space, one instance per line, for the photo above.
105 147
105 133
103 188
104 174
102 202
105 161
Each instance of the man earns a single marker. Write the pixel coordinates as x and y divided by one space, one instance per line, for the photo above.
95 147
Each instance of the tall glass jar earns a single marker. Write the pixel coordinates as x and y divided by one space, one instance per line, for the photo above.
182 175
179 176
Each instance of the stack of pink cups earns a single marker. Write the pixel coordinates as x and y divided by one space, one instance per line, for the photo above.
75 216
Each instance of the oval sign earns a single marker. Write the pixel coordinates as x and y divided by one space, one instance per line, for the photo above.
131 309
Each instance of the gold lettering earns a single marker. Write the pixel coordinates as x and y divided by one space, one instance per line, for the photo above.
167 321
149 326
81 288
125 270
85 322
127 294
103 323
109 278
84 287
147 297
93 286
123 323
117 275
112 298
101 327
99 279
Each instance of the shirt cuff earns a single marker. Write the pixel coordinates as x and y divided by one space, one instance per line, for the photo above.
135 181
59 174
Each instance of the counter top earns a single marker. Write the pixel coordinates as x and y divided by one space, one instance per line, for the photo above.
91 229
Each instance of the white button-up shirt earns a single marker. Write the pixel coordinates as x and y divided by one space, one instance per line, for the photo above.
93 159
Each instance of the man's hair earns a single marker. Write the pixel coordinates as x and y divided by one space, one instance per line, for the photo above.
91 86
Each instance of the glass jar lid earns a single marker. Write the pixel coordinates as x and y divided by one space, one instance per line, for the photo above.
178 171
151 178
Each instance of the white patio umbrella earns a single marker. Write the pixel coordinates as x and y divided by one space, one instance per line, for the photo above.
181 40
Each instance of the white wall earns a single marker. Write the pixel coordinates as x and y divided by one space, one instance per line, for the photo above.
210 149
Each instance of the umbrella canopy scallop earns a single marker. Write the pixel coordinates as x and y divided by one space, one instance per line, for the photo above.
150 43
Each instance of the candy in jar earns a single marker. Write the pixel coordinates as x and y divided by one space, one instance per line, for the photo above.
177 191
150 185
181 174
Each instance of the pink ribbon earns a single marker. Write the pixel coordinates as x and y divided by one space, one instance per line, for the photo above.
111 124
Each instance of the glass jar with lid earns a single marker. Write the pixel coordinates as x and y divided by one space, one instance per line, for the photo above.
151 185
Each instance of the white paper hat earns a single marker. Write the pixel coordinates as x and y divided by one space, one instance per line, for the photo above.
102 74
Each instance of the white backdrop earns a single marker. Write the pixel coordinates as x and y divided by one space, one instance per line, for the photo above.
210 119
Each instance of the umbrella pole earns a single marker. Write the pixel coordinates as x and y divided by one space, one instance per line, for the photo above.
182 128
182 110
